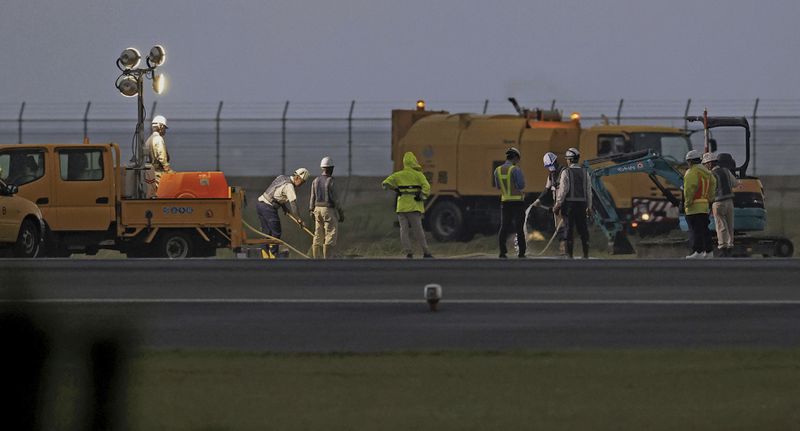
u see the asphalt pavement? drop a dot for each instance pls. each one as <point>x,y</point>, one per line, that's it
<point>378,305</point>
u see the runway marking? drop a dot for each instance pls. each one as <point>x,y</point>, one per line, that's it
<point>406,301</point>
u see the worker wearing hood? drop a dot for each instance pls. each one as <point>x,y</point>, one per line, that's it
<point>412,189</point>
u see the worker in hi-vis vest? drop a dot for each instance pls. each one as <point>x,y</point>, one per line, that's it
<point>509,178</point>
<point>412,189</point>
<point>280,194</point>
<point>699,188</point>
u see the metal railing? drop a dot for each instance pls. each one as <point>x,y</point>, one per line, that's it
<point>250,139</point>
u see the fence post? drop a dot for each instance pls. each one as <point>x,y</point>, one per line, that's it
<point>350,140</point>
<point>686,114</point>
<point>283,138</point>
<point>485,106</point>
<point>553,105</point>
<point>86,121</point>
<point>19,123</point>
<point>755,113</point>
<point>619,110</point>
<point>219,114</point>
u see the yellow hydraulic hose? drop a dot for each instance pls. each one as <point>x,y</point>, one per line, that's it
<point>551,239</point>
<point>280,241</point>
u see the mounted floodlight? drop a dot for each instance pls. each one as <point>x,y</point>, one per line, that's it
<point>130,58</point>
<point>128,86</point>
<point>157,56</point>
<point>159,83</point>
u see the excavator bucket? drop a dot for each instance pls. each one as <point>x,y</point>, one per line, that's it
<point>622,245</point>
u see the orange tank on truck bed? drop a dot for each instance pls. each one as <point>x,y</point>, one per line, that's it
<point>193,185</point>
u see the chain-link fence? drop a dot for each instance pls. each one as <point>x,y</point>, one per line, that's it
<point>261,139</point>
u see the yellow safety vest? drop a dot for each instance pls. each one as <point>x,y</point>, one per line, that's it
<point>507,188</point>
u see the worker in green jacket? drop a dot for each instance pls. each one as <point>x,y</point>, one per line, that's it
<point>699,188</point>
<point>412,189</point>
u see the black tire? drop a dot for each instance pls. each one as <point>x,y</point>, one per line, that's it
<point>28,241</point>
<point>175,244</point>
<point>447,221</point>
<point>784,248</point>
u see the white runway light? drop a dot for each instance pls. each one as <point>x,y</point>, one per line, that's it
<point>433,293</point>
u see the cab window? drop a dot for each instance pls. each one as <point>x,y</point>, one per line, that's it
<point>81,165</point>
<point>608,145</point>
<point>21,166</point>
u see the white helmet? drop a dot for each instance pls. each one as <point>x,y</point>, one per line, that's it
<point>327,162</point>
<point>694,155</point>
<point>302,173</point>
<point>549,159</point>
<point>512,152</point>
<point>710,157</point>
<point>573,154</point>
<point>160,120</point>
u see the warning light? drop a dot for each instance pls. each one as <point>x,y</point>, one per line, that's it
<point>420,105</point>
<point>634,225</point>
<point>575,116</point>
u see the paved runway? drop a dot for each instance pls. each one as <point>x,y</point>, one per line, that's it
<point>377,305</point>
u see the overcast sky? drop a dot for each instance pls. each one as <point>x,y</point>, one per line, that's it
<point>374,50</point>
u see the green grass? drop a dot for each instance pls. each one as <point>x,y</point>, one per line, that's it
<point>597,390</point>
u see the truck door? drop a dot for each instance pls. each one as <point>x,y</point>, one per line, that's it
<point>83,189</point>
<point>6,234</point>
<point>26,168</point>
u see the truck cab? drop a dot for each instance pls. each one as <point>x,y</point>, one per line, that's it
<point>21,223</point>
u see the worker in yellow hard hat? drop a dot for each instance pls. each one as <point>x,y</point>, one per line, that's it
<point>412,189</point>
<point>280,194</point>
<point>699,189</point>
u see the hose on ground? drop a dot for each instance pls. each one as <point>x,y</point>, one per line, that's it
<point>278,240</point>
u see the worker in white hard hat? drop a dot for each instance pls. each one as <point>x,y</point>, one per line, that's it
<point>509,178</point>
<point>280,194</point>
<point>326,211</point>
<point>548,196</point>
<point>574,202</point>
<point>699,188</point>
<point>156,150</point>
<point>722,207</point>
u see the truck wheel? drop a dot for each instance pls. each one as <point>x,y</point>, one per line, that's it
<point>176,245</point>
<point>784,248</point>
<point>27,244</point>
<point>447,221</point>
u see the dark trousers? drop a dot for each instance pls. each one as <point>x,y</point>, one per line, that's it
<point>512,214</point>
<point>699,236</point>
<point>270,223</point>
<point>574,214</point>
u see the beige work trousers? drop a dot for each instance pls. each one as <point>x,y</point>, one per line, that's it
<point>325,232</point>
<point>723,219</point>
<point>411,223</point>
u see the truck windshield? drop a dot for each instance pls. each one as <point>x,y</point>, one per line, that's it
<point>671,146</point>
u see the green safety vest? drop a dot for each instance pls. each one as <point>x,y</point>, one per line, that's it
<point>507,188</point>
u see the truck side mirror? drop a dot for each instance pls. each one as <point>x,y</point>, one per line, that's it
<point>11,189</point>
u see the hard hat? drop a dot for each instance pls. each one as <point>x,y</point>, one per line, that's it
<point>302,173</point>
<point>572,153</point>
<point>513,152</point>
<point>327,162</point>
<point>160,120</point>
<point>710,157</point>
<point>549,159</point>
<point>694,155</point>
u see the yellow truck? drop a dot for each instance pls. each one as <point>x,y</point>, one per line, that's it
<point>459,152</point>
<point>21,224</point>
<point>84,194</point>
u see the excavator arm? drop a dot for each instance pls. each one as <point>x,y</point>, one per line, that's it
<point>607,218</point>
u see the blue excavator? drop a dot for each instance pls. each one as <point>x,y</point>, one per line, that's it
<point>749,213</point>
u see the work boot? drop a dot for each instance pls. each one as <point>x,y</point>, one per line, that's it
<point>568,249</point>
<point>316,252</point>
<point>327,252</point>
<point>503,256</point>
<point>585,246</point>
<point>427,256</point>
<point>409,256</point>
<point>562,248</point>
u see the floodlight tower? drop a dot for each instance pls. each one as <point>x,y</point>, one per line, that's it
<point>130,83</point>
